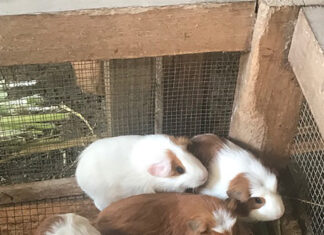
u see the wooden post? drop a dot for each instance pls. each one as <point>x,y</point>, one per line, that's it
<point>158,119</point>
<point>39,190</point>
<point>107,81</point>
<point>306,57</point>
<point>267,104</point>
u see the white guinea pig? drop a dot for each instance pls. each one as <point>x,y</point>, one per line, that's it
<point>114,168</point>
<point>64,224</point>
<point>236,173</point>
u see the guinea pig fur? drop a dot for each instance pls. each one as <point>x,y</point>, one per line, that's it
<point>66,224</point>
<point>236,173</point>
<point>167,214</point>
<point>114,168</point>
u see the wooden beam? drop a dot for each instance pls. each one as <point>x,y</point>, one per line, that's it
<point>279,3</point>
<point>39,191</point>
<point>306,57</point>
<point>266,107</point>
<point>83,141</point>
<point>158,96</point>
<point>125,33</point>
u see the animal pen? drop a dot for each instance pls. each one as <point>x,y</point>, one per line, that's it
<point>253,72</point>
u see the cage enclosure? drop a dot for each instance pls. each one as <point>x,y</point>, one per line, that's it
<point>71,75</point>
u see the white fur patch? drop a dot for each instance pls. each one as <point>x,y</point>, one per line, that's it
<point>224,221</point>
<point>73,224</point>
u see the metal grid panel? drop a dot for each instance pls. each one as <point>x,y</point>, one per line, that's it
<point>50,112</point>
<point>130,95</point>
<point>308,160</point>
<point>45,116</point>
<point>23,218</point>
<point>198,93</point>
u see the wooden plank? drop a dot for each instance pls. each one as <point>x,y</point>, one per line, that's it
<point>306,57</point>
<point>158,106</point>
<point>39,190</point>
<point>294,2</point>
<point>266,109</point>
<point>83,141</point>
<point>107,82</point>
<point>125,33</point>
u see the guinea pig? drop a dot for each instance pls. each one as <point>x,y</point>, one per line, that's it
<point>236,173</point>
<point>167,213</point>
<point>64,224</point>
<point>114,168</point>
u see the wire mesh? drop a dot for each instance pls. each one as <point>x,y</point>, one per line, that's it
<point>308,160</point>
<point>45,117</point>
<point>23,218</point>
<point>198,93</point>
<point>49,112</point>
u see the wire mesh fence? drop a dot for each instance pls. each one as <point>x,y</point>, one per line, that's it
<point>198,93</point>
<point>50,112</point>
<point>23,218</point>
<point>308,169</point>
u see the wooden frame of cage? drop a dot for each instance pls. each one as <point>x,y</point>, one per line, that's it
<point>265,113</point>
<point>141,32</point>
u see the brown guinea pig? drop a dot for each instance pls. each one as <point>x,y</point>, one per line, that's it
<point>166,213</point>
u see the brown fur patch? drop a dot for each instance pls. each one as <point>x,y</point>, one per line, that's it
<point>243,209</point>
<point>47,224</point>
<point>204,147</point>
<point>239,188</point>
<point>181,140</point>
<point>175,162</point>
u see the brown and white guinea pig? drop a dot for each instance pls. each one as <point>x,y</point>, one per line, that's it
<point>236,173</point>
<point>166,213</point>
<point>66,224</point>
<point>114,168</point>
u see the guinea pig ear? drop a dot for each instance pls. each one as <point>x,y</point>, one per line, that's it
<point>197,226</point>
<point>160,169</point>
<point>239,188</point>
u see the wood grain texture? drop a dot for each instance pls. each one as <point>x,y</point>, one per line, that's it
<point>39,190</point>
<point>125,33</point>
<point>293,2</point>
<point>267,104</point>
<point>306,57</point>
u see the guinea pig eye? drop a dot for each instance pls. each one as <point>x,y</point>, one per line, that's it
<point>179,169</point>
<point>258,200</point>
